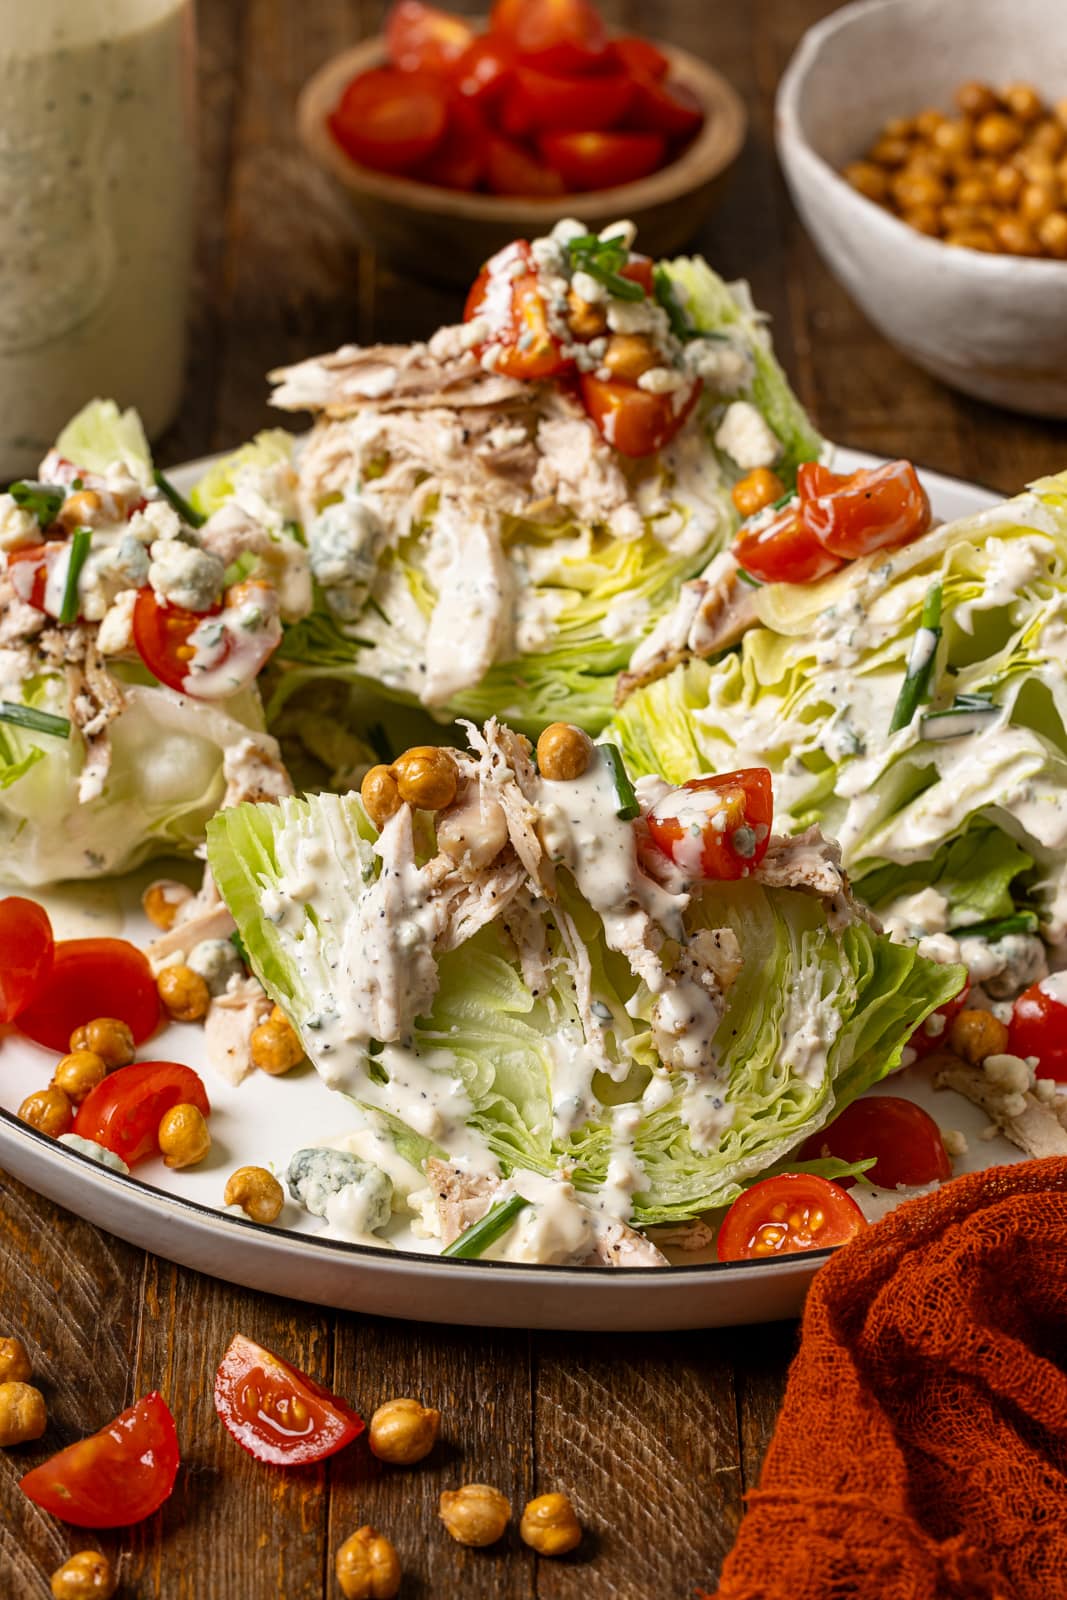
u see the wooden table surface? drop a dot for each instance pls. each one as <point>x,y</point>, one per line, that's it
<point>657,1437</point>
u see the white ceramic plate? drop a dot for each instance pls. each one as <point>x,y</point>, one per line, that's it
<point>179,1214</point>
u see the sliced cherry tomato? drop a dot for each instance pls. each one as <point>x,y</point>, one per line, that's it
<point>459,160</point>
<point>92,978</point>
<point>716,827</point>
<point>484,68</point>
<point>851,514</point>
<point>1038,1026</point>
<point>511,170</point>
<point>115,1477</point>
<point>391,120</point>
<point>783,550</point>
<point>642,270</point>
<point>787,1214</point>
<point>517,315</point>
<point>668,108</point>
<point>635,422</point>
<point>639,56</point>
<point>124,1111</point>
<point>603,160</point>
<point>905,1141</point>
<point>559,35</point>
<point>276,1412</point>
<point>933,1033</point>
<point>161,632</point>
<point>546,102</point>
<point>28,571</point>
<point>26,954</point>
<point>422,38</point>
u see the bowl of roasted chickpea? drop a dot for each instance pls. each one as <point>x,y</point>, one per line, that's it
<point>925,145</point>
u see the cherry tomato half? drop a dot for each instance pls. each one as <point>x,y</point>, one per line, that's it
<point>933,1033</point>
<point>424,38</point>
<point>783,550</point>
<point>26,954</point>
<point>559,35</point>
<point>391,120</point>
<point>787,1214</point>
<point>602,160</point>
<point>276,1412</point>
<point>517,315</point>
<point>545,102</point>
<point>635,422</point>
<point>639,55</point>
<point>460,159</point>
<point>905,1141</point>
<point>510,170</point>
<point>29,570</point>
<point>718,827</point>
<point>161,632</point>
<point>1038,1026</point>
<point>852,514</point>
<point>666,107</point>
<point>124,1111</point>
<point>117,1476</point>
<point>92,978</point>
<point>484,69</point>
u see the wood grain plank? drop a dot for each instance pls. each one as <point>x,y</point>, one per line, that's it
<point>762,1360</point>
<point>642,1433</point>
<point>480,1381</point>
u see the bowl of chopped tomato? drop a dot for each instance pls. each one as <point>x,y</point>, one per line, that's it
<point>453,137</point>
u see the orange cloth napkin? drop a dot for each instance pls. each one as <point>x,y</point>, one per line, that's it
<point>921,1452</point>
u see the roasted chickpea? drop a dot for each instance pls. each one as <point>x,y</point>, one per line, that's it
<point>476,1514</point>
<point>87,1576</point>
<point>1006,185</point>
<point>629,355</point>
<point>426,777</point>
<point>1037,202</point>
<point>928,160</point>
<point>563,752</point>
<point>275,1046</point>
<point>22,1414</point>
<point>975,99</point>
<point>759,489</point>
<point>899,128</point>
<point>184,993</point>
<point>953,138</point>
<point>47,1110</point>
<point>890,152</point>
<point>14,1362</point>
<point>1052,234</point>
<point>1047,137</point>
<point>971,237</point>
<point>78,1073</point>
<point>257,1192</point>
<point>108,1037</point>
<point>380,795</point>
<point>972,191</point>
<point>1036,166</point>
<point>976,1034</point>
<point>928,122</point>
<point>587,319</point>
<point>79,510</point>
<point>183,1136</point>
<point>925,219</point>
<point>868,179</point>
<point>911,189</point>
<point>1016,236</point>
<point>367,1566</point>
<point>956,217</point>
<point>550,1526</point>
<point>161,900</point>
<point>998,133</point>
<point>403,1431</point>
<point>1023,101</point>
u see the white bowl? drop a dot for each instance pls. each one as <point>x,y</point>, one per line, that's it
<point>994,326</point>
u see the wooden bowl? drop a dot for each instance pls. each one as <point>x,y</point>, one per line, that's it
<point>446,235</point>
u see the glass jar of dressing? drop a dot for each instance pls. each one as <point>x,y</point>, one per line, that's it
<point>96,194</point>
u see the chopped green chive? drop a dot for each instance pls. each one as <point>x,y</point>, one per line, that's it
<point>998,927</point>
<point>181,505</point>
<point>920,668</point>
<point>626,800</point>
<point>746,577</point>
<point>603,259</point>
<point>476,1239</point>
<point>79,550</point>
<point>667,297</point>
<point>44,500</point>
<point>36,721</point>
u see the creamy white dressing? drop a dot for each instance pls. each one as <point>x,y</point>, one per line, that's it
<point>471,623</point>
<point>557,1228</point>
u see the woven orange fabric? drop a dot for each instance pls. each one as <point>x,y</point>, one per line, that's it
<point>921,1452</point>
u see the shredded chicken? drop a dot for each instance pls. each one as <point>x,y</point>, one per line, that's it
<point>200,916</point>
<point>462,1198</point>
<point>711,613</point>
<point>254,770</point>
<point>1037,1126</point>
<point>231,1020</point>
<point>618,1245</point>
<point>418,376</point>
<point>810,862</point>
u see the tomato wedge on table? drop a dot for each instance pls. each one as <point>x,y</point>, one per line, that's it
<point>123,1112</point>
<point>420,37</point>
<point>560,35</point>
<point>391,120</point>
<point>26,953</point>
<point>716,828</point>
<point>117,1476</point>
<point>92,978</point>
<point>782,550</point>
<point>904,1139</point>
<point>276,1412</point>
<point>1038,1026</point>
<point>786,1215</point>
<point>517,315</point>
<point>852,514</point>
<point>602,160</point>
<point>634,421</point>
